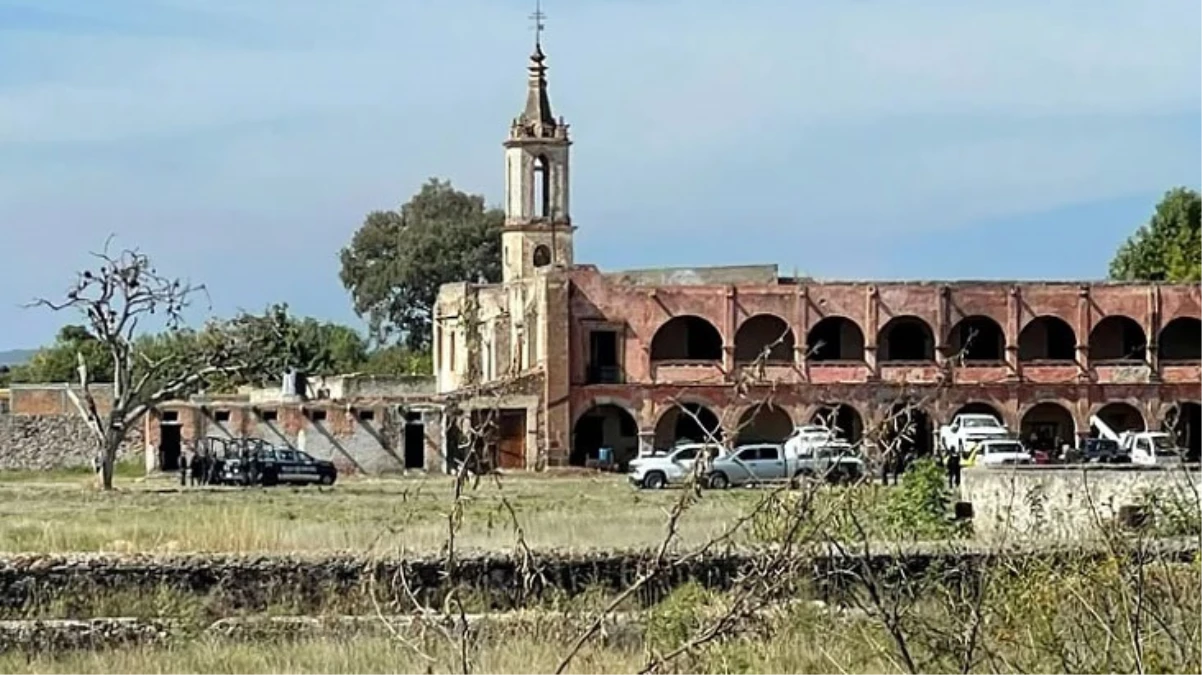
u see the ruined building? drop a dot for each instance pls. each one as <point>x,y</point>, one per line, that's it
<point>567,358</point>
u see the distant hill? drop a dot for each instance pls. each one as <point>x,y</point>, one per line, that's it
<point>15,357</point>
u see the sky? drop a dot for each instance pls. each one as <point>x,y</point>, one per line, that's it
<point>241,142</point>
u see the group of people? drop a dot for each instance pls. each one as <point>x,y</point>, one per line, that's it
<point>200,468</point>
<point>895,464</point>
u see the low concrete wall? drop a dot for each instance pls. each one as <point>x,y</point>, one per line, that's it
<point>1074,503</point>
<point>41,442</point>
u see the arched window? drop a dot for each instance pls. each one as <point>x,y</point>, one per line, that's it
<point>542,256</point>
<point>542,187</point>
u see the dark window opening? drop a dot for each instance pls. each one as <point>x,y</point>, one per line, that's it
<point>605,426</point>
<point>764,424</point>
<point>688,423</point>
<point>542,256</point>
<point>415,444</point>
<point>1047,338</point>
<point>687,338</point>
<point>221,416</point>
<point>835,338</point>
<point>317,415</point>
<point>367,415</point>
<point>170,416</point>
<point>170,445</point>
<point>842,419</point>
<point>1118,338</point>
<point>764,337</point>
<point>603,367</point>
<point>906,338</point>
<point>978,339</point>
<point>413,417</point>
<point>1181,340</point>
<point>270,415</point>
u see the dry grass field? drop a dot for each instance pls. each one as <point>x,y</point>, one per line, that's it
<point>62,512</point>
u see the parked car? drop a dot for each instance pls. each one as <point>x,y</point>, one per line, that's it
<point>998,452</point>
<point>817,452</point>
<point>1103,451</point>
<point>660,470</point>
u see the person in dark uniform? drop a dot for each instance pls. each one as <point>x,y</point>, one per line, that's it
<point>198,468</point>
<point>885,468</point>
<point>953,470</point>
<point>183,469</point>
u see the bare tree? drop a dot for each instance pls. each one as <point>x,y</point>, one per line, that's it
<point>116,297</point>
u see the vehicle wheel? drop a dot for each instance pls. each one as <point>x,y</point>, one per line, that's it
<point>327,480</point>
<point>655,481</point>
<point>719,481</point>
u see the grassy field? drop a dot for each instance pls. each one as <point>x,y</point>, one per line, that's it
<point>63,512</point>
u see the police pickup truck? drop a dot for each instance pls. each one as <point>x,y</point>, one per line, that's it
<point>273,466</point>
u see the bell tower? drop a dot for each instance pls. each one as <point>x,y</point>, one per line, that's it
<point>538,223</point>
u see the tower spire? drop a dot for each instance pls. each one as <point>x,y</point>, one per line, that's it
<point>537,120</point>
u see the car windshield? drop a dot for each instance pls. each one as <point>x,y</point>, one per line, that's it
<point>1164,447</point>
<point>686,454</point>
<point>980,422</point>
<point>303,456</point>
<point>997,448</point>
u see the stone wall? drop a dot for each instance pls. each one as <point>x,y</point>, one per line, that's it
<point>1036,502</point>
<point>40,442</point>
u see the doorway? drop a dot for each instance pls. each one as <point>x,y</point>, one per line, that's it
<point>170,437</point>
<point>511,439</point>
<point>415,441</point>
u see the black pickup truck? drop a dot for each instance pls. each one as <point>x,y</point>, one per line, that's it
<point>274,466</point>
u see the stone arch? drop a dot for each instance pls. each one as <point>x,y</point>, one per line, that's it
<point>1120,416</point>
<point>979,408</point>
<point>835,338</point>
<point>906,338</point>
<point>1180,340</point>
<point>908,430</point>
<point>842,418</point>
<point>764,332</point>
<point>1118,338</point>
<point>1047,426</point>
<point>1047,338</point>
<point>977,339</point>
<point>764,424</point>
<point>686,338</point>
<point>541,256</point>
<point>687,422</point>
<point>604,425</point>
<point>1184,420</point>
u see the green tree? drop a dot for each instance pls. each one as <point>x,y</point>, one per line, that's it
<point>398,259</point>
<point>399,360</point>
<point>1169,247</point>
<point>58,362</point>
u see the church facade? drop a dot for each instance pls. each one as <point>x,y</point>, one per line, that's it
<point>564,358</point>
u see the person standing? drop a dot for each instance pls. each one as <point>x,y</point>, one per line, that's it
<point>183,469</point>
<point>953,470</point>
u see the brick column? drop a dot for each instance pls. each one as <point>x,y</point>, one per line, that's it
<point>1152,328</point>
<point>1013,322</point>
<point>1082,329</point>
<point>872,303</point>
<point>728,333</point>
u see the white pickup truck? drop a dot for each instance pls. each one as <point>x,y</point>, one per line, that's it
<point>1150,448</point>
<point>968,429</point>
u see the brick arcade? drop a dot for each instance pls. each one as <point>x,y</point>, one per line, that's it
<point>614,356</point>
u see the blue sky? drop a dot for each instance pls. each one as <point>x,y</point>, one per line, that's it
<point>241,142</point>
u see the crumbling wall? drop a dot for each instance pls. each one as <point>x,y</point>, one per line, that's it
<point>41,442</point>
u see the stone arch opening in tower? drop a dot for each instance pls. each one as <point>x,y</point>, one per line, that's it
<point>764,424</point>
<point>841,418</point>
<point>1047,338</point>
<point>604,426</point>
<point>1120,417</point>
<point>1181,340</point>
<point>977,339</point>
<point>687,338</point>
<point>542,255</point>
<point>1184,421</point>
<point>835,338</point>
<point>908,430</point>
<point>764,333</point>
<point>1048,426</point>
<point>542,187</point>
<point>906,338</point>
<point>687,423</point>
<point>1118,338</point>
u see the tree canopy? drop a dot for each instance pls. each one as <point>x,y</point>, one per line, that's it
<point>397,260</point>
<point>1168,247</point>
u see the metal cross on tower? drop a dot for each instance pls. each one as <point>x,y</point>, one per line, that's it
<point>538,17</point>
